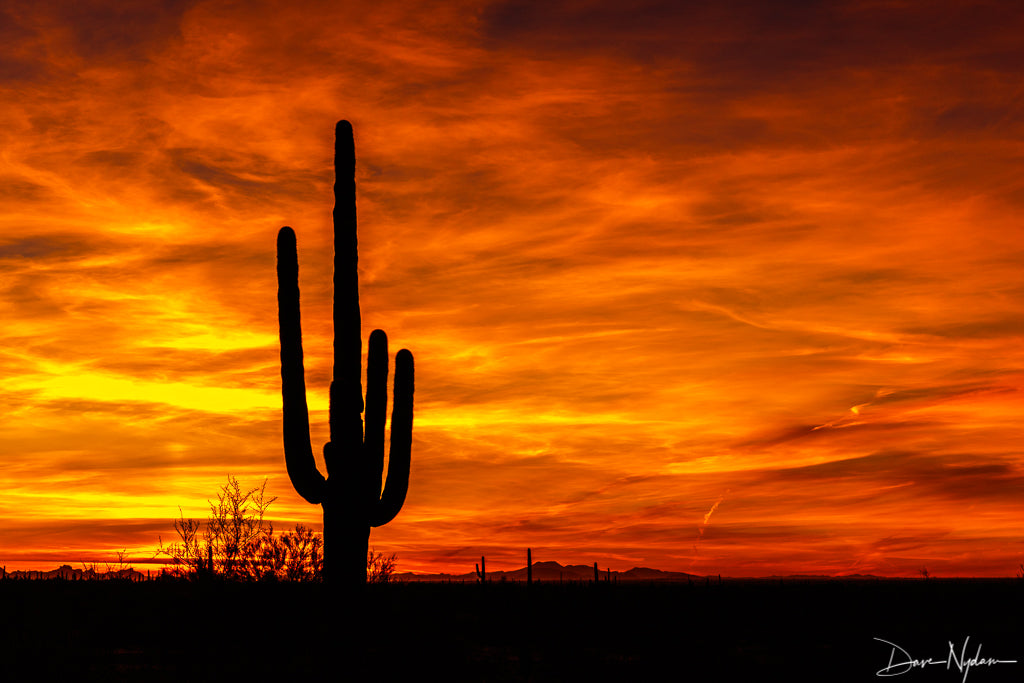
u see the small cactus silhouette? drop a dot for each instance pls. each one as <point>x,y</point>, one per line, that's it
<point>351,493</point>
<point>481,570</point>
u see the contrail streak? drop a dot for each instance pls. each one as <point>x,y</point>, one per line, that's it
<point>712,511</point>
<point>704,524</point>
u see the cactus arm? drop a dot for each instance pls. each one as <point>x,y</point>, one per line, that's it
<point>298,450</point>
<point>397,484</point>
<point>376,417</point>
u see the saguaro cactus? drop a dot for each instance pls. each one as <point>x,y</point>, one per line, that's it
<point>351,492</point>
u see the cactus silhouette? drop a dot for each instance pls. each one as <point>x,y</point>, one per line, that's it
<point>351,492</point>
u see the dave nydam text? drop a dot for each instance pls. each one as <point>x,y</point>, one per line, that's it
<point>963,661</point>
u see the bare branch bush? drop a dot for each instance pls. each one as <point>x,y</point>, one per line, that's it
<point>234,533</point>
<point>237,542</point>
<point>380,568</point>
<point>236,529</point>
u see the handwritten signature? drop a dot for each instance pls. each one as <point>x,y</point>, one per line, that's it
<point>902,662</point>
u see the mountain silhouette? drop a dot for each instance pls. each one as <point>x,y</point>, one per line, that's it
<point>69,573</point>
<point>553,571</point>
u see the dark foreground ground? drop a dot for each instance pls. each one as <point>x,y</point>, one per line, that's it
<point>737,631</point>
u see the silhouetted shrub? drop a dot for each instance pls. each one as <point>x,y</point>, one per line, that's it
<point>380,568</point>
<point>238,543</point>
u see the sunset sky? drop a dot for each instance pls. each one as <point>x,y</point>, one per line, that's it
<point>725,287</point>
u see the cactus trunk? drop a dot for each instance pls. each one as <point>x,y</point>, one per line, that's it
<point>351,492</point>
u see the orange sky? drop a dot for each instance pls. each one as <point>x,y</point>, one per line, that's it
<point>760,254</point>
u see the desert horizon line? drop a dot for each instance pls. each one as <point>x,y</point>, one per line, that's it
<point>584,569</point>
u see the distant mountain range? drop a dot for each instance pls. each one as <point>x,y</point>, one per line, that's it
<point>542,571</point>
<point>553,571</point>
<point>68,573</point>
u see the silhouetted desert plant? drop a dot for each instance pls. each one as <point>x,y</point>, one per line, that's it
<point>291,556</point>
<point>380,568</point>
<point>351,493</point>
<point>238,543</point>
<point>481,570</point>
<point>234,531</point>
<point>122,564</point>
